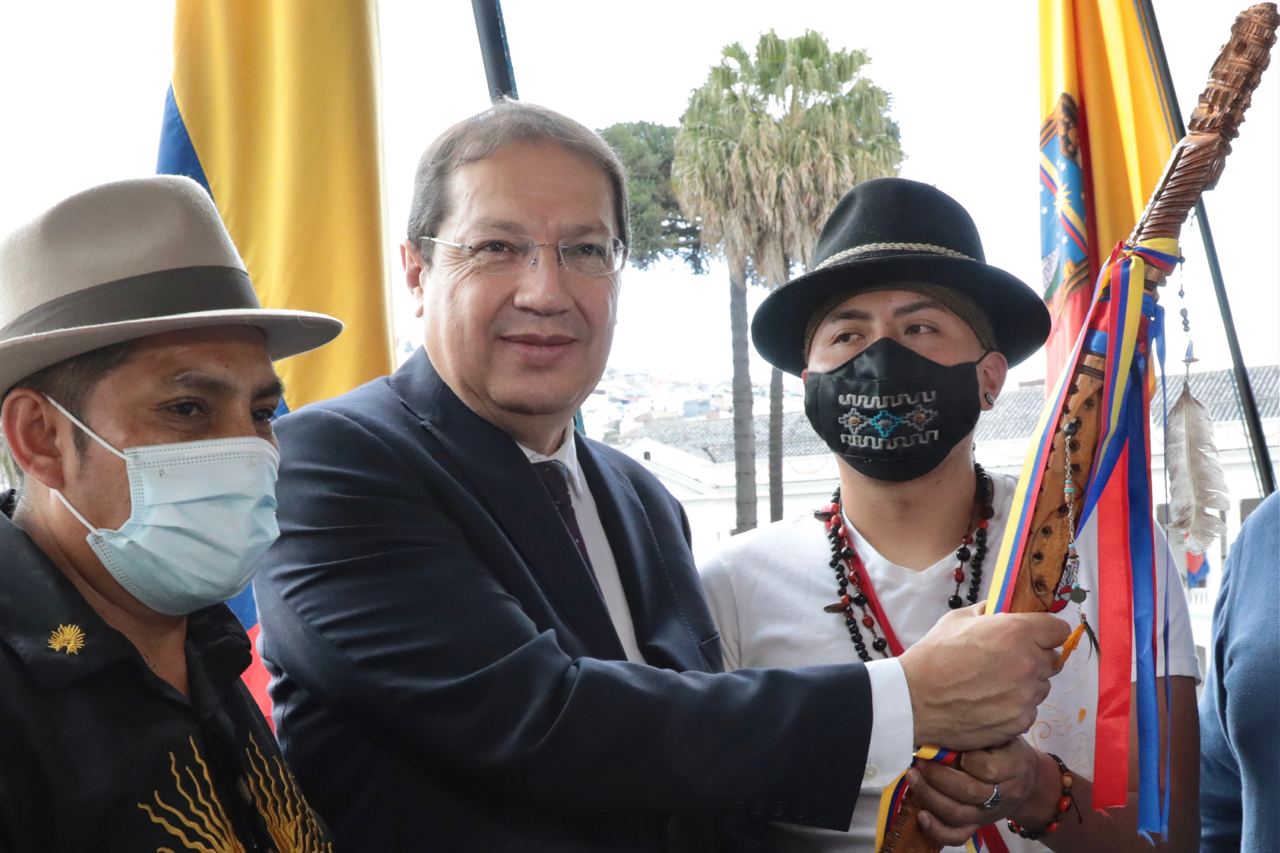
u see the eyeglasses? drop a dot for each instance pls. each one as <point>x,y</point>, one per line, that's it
<point>596,256</point>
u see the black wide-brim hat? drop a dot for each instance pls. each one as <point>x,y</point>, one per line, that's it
<point>892,230</point>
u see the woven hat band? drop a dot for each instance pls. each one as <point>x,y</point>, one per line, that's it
<point>872,248</point>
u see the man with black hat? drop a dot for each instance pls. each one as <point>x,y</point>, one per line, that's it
<point>138,392</point>
<point>903,334</point>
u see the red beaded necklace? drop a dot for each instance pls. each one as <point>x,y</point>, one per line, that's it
<point>855,586</point>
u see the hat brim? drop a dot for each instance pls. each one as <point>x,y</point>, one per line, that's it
<point>288,333</point>
<point>1019,318</point>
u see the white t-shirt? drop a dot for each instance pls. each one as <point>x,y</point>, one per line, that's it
<point>767,589</point>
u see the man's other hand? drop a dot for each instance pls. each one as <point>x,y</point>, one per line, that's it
<point>975,680</point>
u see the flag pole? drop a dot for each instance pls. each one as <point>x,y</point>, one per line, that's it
<point>493,49</point>
<point>1244,391</point>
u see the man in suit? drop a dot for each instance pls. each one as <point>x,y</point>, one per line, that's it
<point>488,633</point>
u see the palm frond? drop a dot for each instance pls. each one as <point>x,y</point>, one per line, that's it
<point>772,140</point>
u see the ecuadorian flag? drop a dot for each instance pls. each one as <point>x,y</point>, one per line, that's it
<point>274,109</point>
<point>1106,135</point>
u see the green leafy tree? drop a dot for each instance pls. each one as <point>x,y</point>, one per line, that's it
<point>659,228</point>
<point>766,148</point>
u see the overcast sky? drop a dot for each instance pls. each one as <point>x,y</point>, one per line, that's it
<point>82,86</point>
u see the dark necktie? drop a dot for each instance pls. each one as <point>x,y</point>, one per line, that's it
<point>555,477</point>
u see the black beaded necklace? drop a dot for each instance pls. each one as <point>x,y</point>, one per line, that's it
<point>844,559</point>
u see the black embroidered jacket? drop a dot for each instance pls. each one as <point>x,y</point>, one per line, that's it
<point>98,753</point>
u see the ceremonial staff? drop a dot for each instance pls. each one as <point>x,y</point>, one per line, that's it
<point>1093,457</point>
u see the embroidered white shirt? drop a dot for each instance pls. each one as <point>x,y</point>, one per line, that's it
<point>767,590</point>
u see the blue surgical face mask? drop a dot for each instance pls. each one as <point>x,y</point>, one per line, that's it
<point>202,513</point>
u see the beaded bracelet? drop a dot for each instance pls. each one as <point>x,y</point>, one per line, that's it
<point>1064,804</point>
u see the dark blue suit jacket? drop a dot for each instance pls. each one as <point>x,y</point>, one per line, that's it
<point>447,677</point>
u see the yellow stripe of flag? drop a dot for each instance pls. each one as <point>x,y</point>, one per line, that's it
<point>1099,53</point>
<point>279,99</point>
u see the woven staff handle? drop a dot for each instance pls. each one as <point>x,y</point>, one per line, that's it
<point>1195,165</point>
<point>1196,162</point>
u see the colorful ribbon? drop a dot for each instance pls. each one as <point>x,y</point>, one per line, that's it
<point>987,837</point>
<point>1123,325</point>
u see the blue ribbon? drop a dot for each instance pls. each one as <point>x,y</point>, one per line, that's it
<point>1153,813</point>
<point>1158,335</point>
<point>1150,816</point>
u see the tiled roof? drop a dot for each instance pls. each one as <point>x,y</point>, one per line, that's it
<point>1014,417</point>
<point>713,439</point>
<point>1217,390</point>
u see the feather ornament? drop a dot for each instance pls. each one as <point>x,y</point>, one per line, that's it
<point>1197,486</point>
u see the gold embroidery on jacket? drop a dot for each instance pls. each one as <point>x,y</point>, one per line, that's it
<point>290,821</point>
<point>66,638</point>
<point>204,824</point>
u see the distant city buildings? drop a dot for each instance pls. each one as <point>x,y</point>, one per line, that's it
<point>627,404</point>
<point>693,456</point>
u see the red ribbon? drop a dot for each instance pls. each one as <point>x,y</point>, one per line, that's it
<point>873,603</point>
<point>992,840</point>
<point>1115,605</point>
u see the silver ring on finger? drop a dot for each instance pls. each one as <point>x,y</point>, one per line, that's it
<point>993,800</point>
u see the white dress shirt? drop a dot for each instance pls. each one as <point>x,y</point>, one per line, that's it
<point>598,549</point>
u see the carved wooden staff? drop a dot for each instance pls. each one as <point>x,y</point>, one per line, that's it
<point>1194,166</point>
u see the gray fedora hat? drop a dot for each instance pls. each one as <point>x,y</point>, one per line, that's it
<point>894,230</point>
<point>126,260</point>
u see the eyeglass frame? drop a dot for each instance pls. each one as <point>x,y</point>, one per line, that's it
<point>531,244</point>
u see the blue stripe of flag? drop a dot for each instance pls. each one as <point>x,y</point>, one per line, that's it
<point>177,156</point>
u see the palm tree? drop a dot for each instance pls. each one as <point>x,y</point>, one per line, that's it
<point>766,148</point>
<point>714,188</point>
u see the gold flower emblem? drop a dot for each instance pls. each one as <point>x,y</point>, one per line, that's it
<point>67,638</point>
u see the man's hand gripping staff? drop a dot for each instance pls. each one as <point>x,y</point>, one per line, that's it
<point>976,682</point>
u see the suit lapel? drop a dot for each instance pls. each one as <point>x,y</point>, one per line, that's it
<point>661,625</point>
<point>502,478</point>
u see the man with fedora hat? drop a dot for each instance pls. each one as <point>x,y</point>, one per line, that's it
<point>903,334</point>
<point>138,393</point>
<point>496,624</point>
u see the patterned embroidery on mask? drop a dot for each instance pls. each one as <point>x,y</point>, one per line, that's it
<point>884,422</point>
<point>898,441</point>
<point>859,421</point>
<point>919,417</point>
<point>888,401</point>
<point>197,819</point>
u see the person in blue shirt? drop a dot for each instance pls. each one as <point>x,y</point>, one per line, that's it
<point>1240,706</point>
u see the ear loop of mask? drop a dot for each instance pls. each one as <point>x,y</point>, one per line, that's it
<point>86,430</point>
<point>58,494</point>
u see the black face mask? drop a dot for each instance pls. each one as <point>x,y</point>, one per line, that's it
<point>891,413</point>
